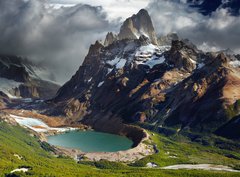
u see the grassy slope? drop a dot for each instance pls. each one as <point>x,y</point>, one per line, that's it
<point>179,150</point>
<point>16,140</point>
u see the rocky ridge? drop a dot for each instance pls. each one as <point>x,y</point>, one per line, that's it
<point>134,79</point>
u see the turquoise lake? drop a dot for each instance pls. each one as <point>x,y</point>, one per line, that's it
<point>91,141</point>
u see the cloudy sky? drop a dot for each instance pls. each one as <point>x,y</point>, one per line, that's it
<point>59,32</point>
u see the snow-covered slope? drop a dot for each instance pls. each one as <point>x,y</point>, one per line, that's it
<point>149,55</point>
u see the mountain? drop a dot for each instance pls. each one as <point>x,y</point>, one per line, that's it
<point>206,7</point>
<point>172,85</point>
<point>137,25</point>
<point>21,78</point>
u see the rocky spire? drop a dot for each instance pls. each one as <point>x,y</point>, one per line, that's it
<point>137,25</point>
<point>110,38</point>
<point>182,56</point>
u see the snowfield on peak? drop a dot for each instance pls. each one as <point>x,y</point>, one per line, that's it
<point>151,63</point>
<point>147,49</point>
<point>118,63</point>
<point>149,55</point>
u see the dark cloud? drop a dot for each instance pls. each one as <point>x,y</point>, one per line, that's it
<point>59,37</point>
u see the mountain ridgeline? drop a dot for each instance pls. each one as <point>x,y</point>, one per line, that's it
<point>166,82</point>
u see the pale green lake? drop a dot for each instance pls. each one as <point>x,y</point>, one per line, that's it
<point>91,141</point>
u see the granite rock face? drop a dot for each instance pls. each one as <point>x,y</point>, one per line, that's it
<point>110,38</point>
<point>137,25</point>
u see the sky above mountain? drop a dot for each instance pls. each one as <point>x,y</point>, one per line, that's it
<point>59,32</point>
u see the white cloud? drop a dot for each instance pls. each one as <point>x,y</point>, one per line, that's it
<point>220,19</point>
<point>218,31</point>
<point>169,16</point>
<point>114,8</point>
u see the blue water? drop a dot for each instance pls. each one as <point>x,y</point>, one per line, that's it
<point>91,141</point>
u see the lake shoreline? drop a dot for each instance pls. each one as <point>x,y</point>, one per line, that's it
<point>138,151</point>
<point>130,155</point>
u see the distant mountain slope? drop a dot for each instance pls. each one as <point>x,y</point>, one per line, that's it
<point>20,78</point>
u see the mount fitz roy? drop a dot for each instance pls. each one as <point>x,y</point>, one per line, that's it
<point>166,82</point>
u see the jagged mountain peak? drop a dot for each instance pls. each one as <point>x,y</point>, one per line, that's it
<point>182,56</point>
<point>110,38</point>
<point>96,46</point>
<point>137,25</point>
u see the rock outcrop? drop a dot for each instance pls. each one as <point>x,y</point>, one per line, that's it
<point>182,56</point>
<point>137,25</point>
<point>110,38</point>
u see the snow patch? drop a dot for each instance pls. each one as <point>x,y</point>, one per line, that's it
<point>146,50</point>
<point>200,65</point>
<point>109,70</point>
<point>117,62</point>
<point>37,125</point>
<point>100,84</point>
<point>121,63</point>
<point>151,165</point>
<point>150,55</point>
<point>156,61</point>
<point>19,170</point>
<point>113,62</point>
<point>89,80</point>
<point>235,63</point>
